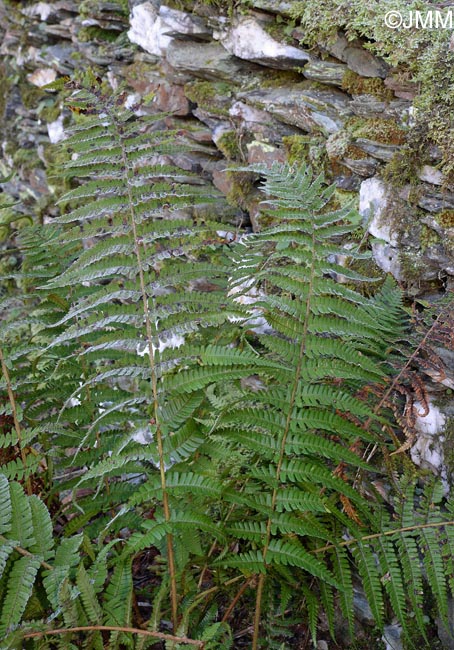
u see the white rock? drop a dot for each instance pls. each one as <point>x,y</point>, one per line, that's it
<point>427,450</point>
<point>42,76</point>
<point>431,424</point>
<point>41,9</point>
<point>148,29</point>
<point>387,258</point>
<point>431,175</point>
<point>153,29</point>
<point>374,199</point>
<point>174,341</point>
<point>56,131</point>
<point>143,436</point>
<point>247,40</point>
<point>249,296</point>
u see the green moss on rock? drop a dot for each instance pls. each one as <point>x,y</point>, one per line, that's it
<point>377,129</point>
<point>423,56</point>
<point>428,237</point>
<point>228,144</point>
<point>354,84</point>
<point>213,97</point>
<point>242,189</point>
<point>309,149</point>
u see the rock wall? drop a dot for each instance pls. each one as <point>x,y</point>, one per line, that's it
<point>244,84</point>
<point>252,81</point>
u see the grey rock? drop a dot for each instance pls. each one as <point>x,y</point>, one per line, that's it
<point>206,60</point>
<point>447,636</point>
<point>392,637</point>
<point>430,199</point>
<point>376,149</point>
<point>365,63</point>
<point>304,105</point>
<point>211,120</point>
<point>263,152</point>
<point>371,106</point>
<point>365,167</point>
<point>350,183</point>
<point>402,89</point>
<point>252,120</point>
<point>59,56</point>
<point>362,607</point>
<point>248,40</point>
<point>355,56</point>
<point>431,175</point>
<point>325,72</point>
<point>282,7</point>
<point>336,47</point>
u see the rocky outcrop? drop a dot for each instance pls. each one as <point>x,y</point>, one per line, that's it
<point>246,81</point>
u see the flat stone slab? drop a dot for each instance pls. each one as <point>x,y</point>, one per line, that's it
<point>206,60</point>
<point>304,105</point>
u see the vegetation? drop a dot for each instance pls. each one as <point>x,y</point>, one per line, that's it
<point>402,49</point>
<point>193,430</point>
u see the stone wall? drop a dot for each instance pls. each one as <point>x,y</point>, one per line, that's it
<point>251,82</point>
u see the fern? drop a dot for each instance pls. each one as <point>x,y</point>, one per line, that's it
<point>27,547</point>
<point>205,410</point>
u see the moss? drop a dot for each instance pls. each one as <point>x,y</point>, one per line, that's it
<point>196,7</point>
<point>355,153</point>
<point>49,110</point>
<point>242,189</point>
<point>423,57</point>
<point>88,8</point>
<point>205,91</point>
<point>95,33</point>
<point>354,84</point>
<point>4,85</point>
<point>213,97</point>
<point>26,158</point>
<point>377,129</point>
<point>308,149</point>
<point>412,267</point>
<point>277,78</point>
<point>337,144</point>
<point>229,145</point>
<point>445,218</point>
<point>448,444</point>
<point>428,237</point>
<point>297,147</point>
<point>403,167</point>
<point>31,95</point>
